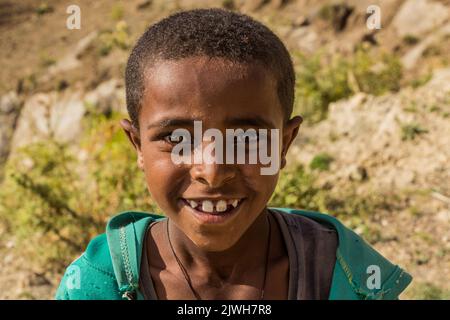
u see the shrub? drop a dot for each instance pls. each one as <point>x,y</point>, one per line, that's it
<point>56,197</point>
<point>117,38</point>
<point>296,189</point>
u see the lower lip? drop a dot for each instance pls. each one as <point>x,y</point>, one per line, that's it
<point>210,218</point>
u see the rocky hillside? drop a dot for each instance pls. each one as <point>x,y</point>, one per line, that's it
<point>389,147</point>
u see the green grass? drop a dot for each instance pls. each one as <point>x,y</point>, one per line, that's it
<point>321,162</point>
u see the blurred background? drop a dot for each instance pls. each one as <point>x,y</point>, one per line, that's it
<point>374,150</point>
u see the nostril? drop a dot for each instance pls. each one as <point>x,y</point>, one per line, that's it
<point>202,180</point>
<point>213,176</point>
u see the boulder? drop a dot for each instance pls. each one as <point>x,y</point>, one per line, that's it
<point>419,17</point>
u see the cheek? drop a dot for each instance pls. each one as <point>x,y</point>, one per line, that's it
<point>263,184</point>
<point>164,178</point>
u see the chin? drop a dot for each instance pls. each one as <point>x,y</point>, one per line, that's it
<point>213,244</point>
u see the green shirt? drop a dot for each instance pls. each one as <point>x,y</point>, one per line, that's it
<point>110,266</point>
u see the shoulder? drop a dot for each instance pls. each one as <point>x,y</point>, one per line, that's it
<point>360,272</point>
<point>96,274</point>
<point>91,276</point>
<point>319,233</point>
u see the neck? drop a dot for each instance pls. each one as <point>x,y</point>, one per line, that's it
<point>243,255</point>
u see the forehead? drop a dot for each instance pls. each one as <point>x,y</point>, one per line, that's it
<point>208,89</point>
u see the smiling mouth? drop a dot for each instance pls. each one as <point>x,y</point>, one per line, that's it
<point>213,206</point>
<point>213,211</point>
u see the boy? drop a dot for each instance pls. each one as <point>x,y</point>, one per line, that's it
<point>219,240</point>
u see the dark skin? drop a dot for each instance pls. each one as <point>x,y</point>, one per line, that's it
<point>224,260</point>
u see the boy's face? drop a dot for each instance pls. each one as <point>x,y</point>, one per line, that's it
<point>221,96</point>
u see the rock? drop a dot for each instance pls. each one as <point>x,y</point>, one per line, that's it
<point>411,58</point>
<point>10,107</point>
<point>58,114</point>
<point>72,59</point>
<point>418,17</point>
<point>440,81</point>
<point>108,96</point>
<point>368,139</point>
<point>143,4</point>
<point>301,21</point>
<point>54,114</point>
<point>358,173</point>
<point>38,279</point>
<point>304,39</point>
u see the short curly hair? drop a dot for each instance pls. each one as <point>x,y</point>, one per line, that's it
<point>215,33</point>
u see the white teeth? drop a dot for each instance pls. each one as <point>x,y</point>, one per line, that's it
<point>193,203</point>
<point>207,206</point>
<point>211,206</point>
<point>221,206</point>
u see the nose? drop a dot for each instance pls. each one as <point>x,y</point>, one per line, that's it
<point>213,175</point>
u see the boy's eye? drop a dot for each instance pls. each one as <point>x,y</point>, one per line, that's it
<point>251,137</point>
<point>170,138</point>
<point>174,138</point>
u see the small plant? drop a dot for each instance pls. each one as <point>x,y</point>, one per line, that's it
<point>411,130</point>
<point>43,8</point>
<point>321,162</point>
<point>117,12</point>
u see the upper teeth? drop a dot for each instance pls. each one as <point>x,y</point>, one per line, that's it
<point>208,205</point>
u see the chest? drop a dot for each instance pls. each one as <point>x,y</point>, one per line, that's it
<point>173,285</point>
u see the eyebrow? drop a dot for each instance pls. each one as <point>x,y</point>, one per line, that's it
<point>255,121</point>
<point>236,122</point>
<point>171,122</point>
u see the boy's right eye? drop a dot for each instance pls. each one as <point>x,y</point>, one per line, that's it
<point>173,139</point>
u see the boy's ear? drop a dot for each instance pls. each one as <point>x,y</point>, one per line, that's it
<point>133,135</point>
<point>290,131</point>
